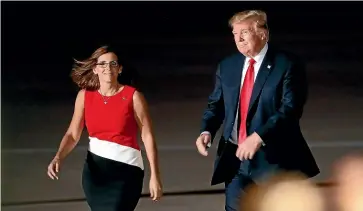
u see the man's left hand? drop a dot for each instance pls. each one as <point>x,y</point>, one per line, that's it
<point>248,148</point>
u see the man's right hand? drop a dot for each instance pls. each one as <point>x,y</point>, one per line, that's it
<point>202,141</point>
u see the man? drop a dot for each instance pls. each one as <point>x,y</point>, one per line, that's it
<point>259,95</point>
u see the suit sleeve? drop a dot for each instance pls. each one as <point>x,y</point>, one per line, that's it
<point>214,113</point>
<point>294,96</point>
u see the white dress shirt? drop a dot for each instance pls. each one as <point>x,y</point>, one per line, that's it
<point>258,58</point>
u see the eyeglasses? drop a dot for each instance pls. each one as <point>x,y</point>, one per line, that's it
<point>111,64</point>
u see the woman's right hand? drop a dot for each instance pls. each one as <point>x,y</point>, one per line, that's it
<point>53,168</point>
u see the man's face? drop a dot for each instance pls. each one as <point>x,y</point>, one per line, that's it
<point>248,42</point>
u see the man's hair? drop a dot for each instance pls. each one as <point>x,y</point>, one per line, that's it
<point>259,17</point>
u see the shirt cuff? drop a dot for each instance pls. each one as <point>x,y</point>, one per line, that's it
<point>208,133</point>
<point>205,132</point>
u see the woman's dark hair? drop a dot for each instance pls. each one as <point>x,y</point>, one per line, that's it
<point>83,76</point>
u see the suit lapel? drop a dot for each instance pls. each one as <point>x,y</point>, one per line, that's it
<point>236,76</point>
<point>261,78</point>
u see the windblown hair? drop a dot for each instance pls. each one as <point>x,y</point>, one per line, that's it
<point>82,71</point>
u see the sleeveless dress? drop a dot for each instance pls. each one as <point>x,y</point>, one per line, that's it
<point>113,172</point>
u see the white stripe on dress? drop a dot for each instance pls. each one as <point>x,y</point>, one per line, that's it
<point>116,152</point>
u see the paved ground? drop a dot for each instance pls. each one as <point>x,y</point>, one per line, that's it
<point>177,203</point>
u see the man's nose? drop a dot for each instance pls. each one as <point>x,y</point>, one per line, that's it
<point>240,38</point>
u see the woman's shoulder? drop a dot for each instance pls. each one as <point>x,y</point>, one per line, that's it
<point>126,86</point>
<point>81,93</point>
<point>129,90</point>
<point>86,94</point>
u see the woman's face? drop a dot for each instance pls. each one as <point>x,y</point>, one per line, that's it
<point>107,68</point>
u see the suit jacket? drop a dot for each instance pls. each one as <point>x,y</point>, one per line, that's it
<point>276,106</point>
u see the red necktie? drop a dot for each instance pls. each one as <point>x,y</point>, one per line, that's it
<point>246,93</point>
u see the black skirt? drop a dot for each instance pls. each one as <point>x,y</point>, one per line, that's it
<point>110,185</point>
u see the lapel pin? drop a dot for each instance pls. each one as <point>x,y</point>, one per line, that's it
<point>268,66</point>
<point>123,98</point>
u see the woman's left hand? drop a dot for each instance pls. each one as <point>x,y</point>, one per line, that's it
<point>155,188</point>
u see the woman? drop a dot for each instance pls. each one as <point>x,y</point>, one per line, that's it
<point>112,112</point>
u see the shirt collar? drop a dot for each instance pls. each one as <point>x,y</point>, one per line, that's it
<point>259,57</point>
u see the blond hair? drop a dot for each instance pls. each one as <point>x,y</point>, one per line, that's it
<point>259,18</point>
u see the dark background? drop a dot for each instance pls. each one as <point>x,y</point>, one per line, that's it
<point>40,39</point>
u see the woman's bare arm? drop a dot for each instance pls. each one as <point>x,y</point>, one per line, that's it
<point>147,133</point>
<point>74,132</point>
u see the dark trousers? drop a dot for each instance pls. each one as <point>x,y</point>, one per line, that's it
<point>236,187</point>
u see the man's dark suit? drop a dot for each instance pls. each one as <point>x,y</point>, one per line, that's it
<point>276,105</point>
